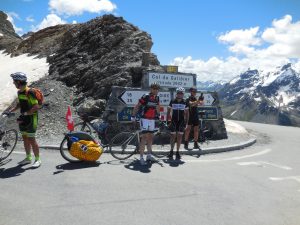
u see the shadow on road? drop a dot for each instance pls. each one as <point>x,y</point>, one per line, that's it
<point>5,161</point>
<point>75,166</point>
<point>136,166</point>
<point>173,162</point>
<point>12,171</point>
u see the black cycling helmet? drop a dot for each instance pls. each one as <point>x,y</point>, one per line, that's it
<point>155,85</point>
<point>19,76</point>
<point>193,88</point>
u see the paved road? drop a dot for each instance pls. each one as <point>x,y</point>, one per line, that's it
<point>258,185</point>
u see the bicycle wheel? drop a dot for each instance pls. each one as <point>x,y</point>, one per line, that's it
<point>65,153</point>
<point>8,143</point>
<point>123,145</point>
<point>161,144</point>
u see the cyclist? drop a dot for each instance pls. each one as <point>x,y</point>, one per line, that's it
<point>150,112</point>
<point>28,119</point>
<point>193,118</point>
<point>178,107</point>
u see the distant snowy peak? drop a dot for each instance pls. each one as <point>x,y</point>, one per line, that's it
<point>210,85</point>
<point>281,85</point>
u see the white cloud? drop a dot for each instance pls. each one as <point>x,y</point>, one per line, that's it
<point>266,50</point>
<point>284,37</point>
<point>50,20</point>
<point>10,18</point>
<point>78,7</point>
<point>30,19</point>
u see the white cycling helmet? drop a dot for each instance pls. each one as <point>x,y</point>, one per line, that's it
<point>180,90</point>
<point>19,76</point>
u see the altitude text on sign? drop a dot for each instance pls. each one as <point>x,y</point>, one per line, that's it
<point>171,80</point>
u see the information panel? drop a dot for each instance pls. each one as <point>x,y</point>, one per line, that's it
<point>211,113</point>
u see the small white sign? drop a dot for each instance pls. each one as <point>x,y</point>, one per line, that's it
<point>171,80</point>
<point>208,99</point>
<point>131,98</point>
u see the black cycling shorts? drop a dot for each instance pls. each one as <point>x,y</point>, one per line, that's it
<point>177,126</point>
<point>193,121</point>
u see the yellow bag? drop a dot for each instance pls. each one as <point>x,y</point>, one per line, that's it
<point>86,150</point>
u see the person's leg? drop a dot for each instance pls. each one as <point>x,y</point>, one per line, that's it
<point>35,147</point>
<point>196,134</point>
<point>187,135</point>
<point>172,143</point>
<point>142,144</point>
<point>179,139</point>
<point>27,145</point>
<point>27,148</point>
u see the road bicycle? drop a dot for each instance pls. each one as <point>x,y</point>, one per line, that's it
<point>8,137</point>
<point>126,144</point>
<point>121,146</point>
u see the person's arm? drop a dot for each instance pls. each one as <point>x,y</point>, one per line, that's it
<point>34,102</point>
<point>136,109</point>
<point>31,111</point>
<point>14,108</point>
<point>186,111</point>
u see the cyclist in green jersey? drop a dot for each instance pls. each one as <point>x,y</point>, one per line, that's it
<point>28,119</point>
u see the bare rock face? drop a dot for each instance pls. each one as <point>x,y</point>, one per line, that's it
<point>44,42</point>
<point>103,52</point>
<point>8,38</point>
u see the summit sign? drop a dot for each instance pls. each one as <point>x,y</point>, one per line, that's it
<point>171,80</point>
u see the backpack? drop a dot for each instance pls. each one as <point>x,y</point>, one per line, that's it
<point>38,94</point>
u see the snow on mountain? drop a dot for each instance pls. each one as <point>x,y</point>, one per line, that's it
<point>210,85</point>
<point>264,95</point>
<point>35,68</point>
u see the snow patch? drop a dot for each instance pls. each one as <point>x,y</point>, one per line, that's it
<point>233,127</point>
<point>233,113</point>
<point>34,68</point>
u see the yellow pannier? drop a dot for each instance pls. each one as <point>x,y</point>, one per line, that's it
<point>86,150</point>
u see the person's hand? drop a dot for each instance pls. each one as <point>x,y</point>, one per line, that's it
<point>20,119</point>
<point>6,113</point>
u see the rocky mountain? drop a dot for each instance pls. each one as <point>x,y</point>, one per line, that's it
<point>8,38</point>
<point>93,56</point>
<point>266,97</point>
<point>85,61</point>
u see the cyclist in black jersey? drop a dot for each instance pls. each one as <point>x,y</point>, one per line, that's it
<point>178,107</point>
<point>28,120</point>
<point>193,119</point>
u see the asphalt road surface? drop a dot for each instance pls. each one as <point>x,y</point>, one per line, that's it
<point>258,185</point>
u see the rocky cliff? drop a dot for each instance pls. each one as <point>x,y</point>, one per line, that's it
<point>8,38</point>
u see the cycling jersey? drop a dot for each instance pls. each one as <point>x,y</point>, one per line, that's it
<point>178,106</point>
<point>149,103</point>
<point>28,123</point>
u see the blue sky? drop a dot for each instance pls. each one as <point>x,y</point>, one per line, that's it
<point>208,38</point>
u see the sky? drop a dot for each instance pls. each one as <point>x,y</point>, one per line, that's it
<point>214,39</point>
